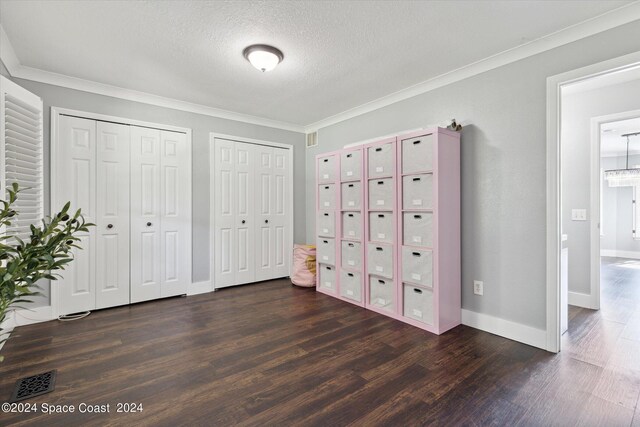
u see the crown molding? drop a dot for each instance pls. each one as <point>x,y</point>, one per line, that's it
<point>56,79</point>
<point>614,18</point>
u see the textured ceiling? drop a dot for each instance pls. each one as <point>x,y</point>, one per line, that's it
<point>338,55</point>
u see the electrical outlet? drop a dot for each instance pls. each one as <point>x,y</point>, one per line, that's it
<point>478,287</point>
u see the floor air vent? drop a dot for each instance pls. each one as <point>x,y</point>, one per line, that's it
<point>34,386</point>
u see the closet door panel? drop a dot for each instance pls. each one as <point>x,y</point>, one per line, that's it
<point>76,181</point>
<point>145,214</point>
<point>112,222</point>
<point>245,164</point>
<point>224,206</point>
<point>281,221</point>
<point>271,218</point>
<point>265,211</point>
<point>175,224</point>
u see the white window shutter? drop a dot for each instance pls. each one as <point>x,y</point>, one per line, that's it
<point>21,154</point>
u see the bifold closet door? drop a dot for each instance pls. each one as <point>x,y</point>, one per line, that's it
<point>234,219</point>
<point>112,220</point>
<point>75,181</point>
<point>160,214</point>
<point>271,221</point>
<point>175,211</point>
<point>145,214</point>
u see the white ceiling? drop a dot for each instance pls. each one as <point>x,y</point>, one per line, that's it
<point>338,55</point>
<point>613,144</point>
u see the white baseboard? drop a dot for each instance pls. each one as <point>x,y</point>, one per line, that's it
<point>506,328</point>
<point>620,254</point>
<point>199,288</point>
<point>581,300</point>
<point>35,315</point>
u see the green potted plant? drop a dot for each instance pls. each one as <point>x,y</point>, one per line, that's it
<point>24,263</point>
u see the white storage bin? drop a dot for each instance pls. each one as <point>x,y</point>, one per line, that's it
<point>351,165</point>
<point>417,266</point>
<point>381,194</point>
<point>327,196</point>
<point>327,169</point>
<point>418,304</point>
<point>417,192</point>
<point>351,285</point>
<point>417,154</point>
<point>351,195</point>
<point>381,160</point>
<point>352,255</point>
<point>326,251</point>
<point>327,277</point>
<point>380,260</point>
<point>326,224</point>
<point>352,225</point>
<point>381,227</point>
<point>418,229</point>
<point>381,293</point>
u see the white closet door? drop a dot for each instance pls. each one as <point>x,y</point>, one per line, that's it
<point>281,220</point>
<point>245,227</point>
<point>145,214</point>
<point>76,182</point>
<point>112,221</point>
<point>235,222</point>
<point>224,207</point>
<point>264,186</point>
<point>273,225</point>
<point>175,224</point>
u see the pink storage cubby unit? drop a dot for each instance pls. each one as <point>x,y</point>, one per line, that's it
<point>389,227</point>
<point>340,261</point>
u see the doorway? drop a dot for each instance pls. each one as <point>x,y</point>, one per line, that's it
<point>571,215</point>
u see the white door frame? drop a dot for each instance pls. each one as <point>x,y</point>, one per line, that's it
<point>554,85</point>
<point>212,138</point>
<point>56,112</point>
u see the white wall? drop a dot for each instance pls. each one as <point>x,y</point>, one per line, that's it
<point>577,111</point>
<point>618,213</point>
<point>503,168</point>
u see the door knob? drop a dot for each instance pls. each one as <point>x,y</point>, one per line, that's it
<point>110,226</point>
<point>243,221</point>
<point>266,221</point>
<point>148,224</point>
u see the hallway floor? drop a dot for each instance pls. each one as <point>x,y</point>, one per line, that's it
<point>609,339</point>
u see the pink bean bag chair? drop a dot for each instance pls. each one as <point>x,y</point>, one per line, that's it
<point>304,266</point>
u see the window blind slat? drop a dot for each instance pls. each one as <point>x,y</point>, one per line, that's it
<point>18,103</point>
<point>26,122</point>
<point>24,164</point>
<point>22,110</point>
<point>21,132</point>
<point>19,137</point>
<point>14,143</point>
<point>20,172</point>
<point>13,154</point>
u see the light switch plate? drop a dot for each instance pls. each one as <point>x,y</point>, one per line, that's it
<point>578,214</point>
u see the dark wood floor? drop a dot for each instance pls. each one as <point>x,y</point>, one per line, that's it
<point>275,354</point>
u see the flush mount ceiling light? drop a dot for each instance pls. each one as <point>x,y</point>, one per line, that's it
<point>624,177</point>
<point>263,57</point>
